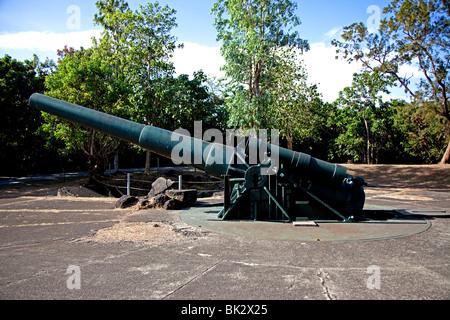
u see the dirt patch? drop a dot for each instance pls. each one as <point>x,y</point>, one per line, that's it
<point>435,177</point>
<point>152,226</point>
<point>141,232</point>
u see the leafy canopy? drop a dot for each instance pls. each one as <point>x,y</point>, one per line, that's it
<point>252,32</point>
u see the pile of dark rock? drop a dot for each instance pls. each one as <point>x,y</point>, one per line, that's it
<point>162,195</point>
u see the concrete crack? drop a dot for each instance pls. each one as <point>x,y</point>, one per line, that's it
<point>197,276</point>
<point>326,291</point>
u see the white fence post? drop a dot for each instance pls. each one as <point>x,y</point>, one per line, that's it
<point>128,184</point>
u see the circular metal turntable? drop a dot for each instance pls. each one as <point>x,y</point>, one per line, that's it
<point>206,218</point>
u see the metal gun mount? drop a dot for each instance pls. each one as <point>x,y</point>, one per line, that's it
<point>297,186</point>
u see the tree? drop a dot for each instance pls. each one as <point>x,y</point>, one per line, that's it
<point>139,43</point>
<point>423,132</point>
<point>83,77</point>
<point>363,98</point>
<point>192,101</point>
<point>293,101</point>
<point>252,32</point>
<point>414,32</point>
<point>387,143</point>
<point>21,148</point>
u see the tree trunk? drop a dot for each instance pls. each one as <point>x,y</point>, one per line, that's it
<point>368,138</point>
<point>91,160</point>
<point>446,158</point>
<point>148,158</point>
<point>96,167</point>
<point>91,179</point>
<point>289,141</point>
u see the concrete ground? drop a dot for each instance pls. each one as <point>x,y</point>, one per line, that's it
<point>83,248</point>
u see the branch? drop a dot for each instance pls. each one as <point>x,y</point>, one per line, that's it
<point>434,89</point>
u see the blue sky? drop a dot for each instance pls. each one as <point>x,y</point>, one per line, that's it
<point>42,27</point>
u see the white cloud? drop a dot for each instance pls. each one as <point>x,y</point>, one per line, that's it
<point>331,75</point>
<point>194,57</point>
<point>333,33</point>
<point>411,71</point>
<point>47,41</point>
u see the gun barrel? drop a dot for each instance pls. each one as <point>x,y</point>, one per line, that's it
<point>112,125</point>
<point>149,137</point>
<point>162,142</point>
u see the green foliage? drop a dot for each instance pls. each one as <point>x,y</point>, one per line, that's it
<point>128,73</point>
<point>139,44</point>
<point>363,111</point>
<point>386,138</point>
<point>295,105</point>
<point>15,75</point>
<point>83,77</point>
<point>424,133</point>
<point>192,101</point>
<point>21,149</point>
<point>252,33</point>
<point>372,131</point>
<point>413,32</point>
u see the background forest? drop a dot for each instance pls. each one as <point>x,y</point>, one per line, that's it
<point>127,72</point>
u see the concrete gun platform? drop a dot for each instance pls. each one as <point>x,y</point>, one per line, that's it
<point>156,255</point>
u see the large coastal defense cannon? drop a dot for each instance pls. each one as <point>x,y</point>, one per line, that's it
<point>281,185</point>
